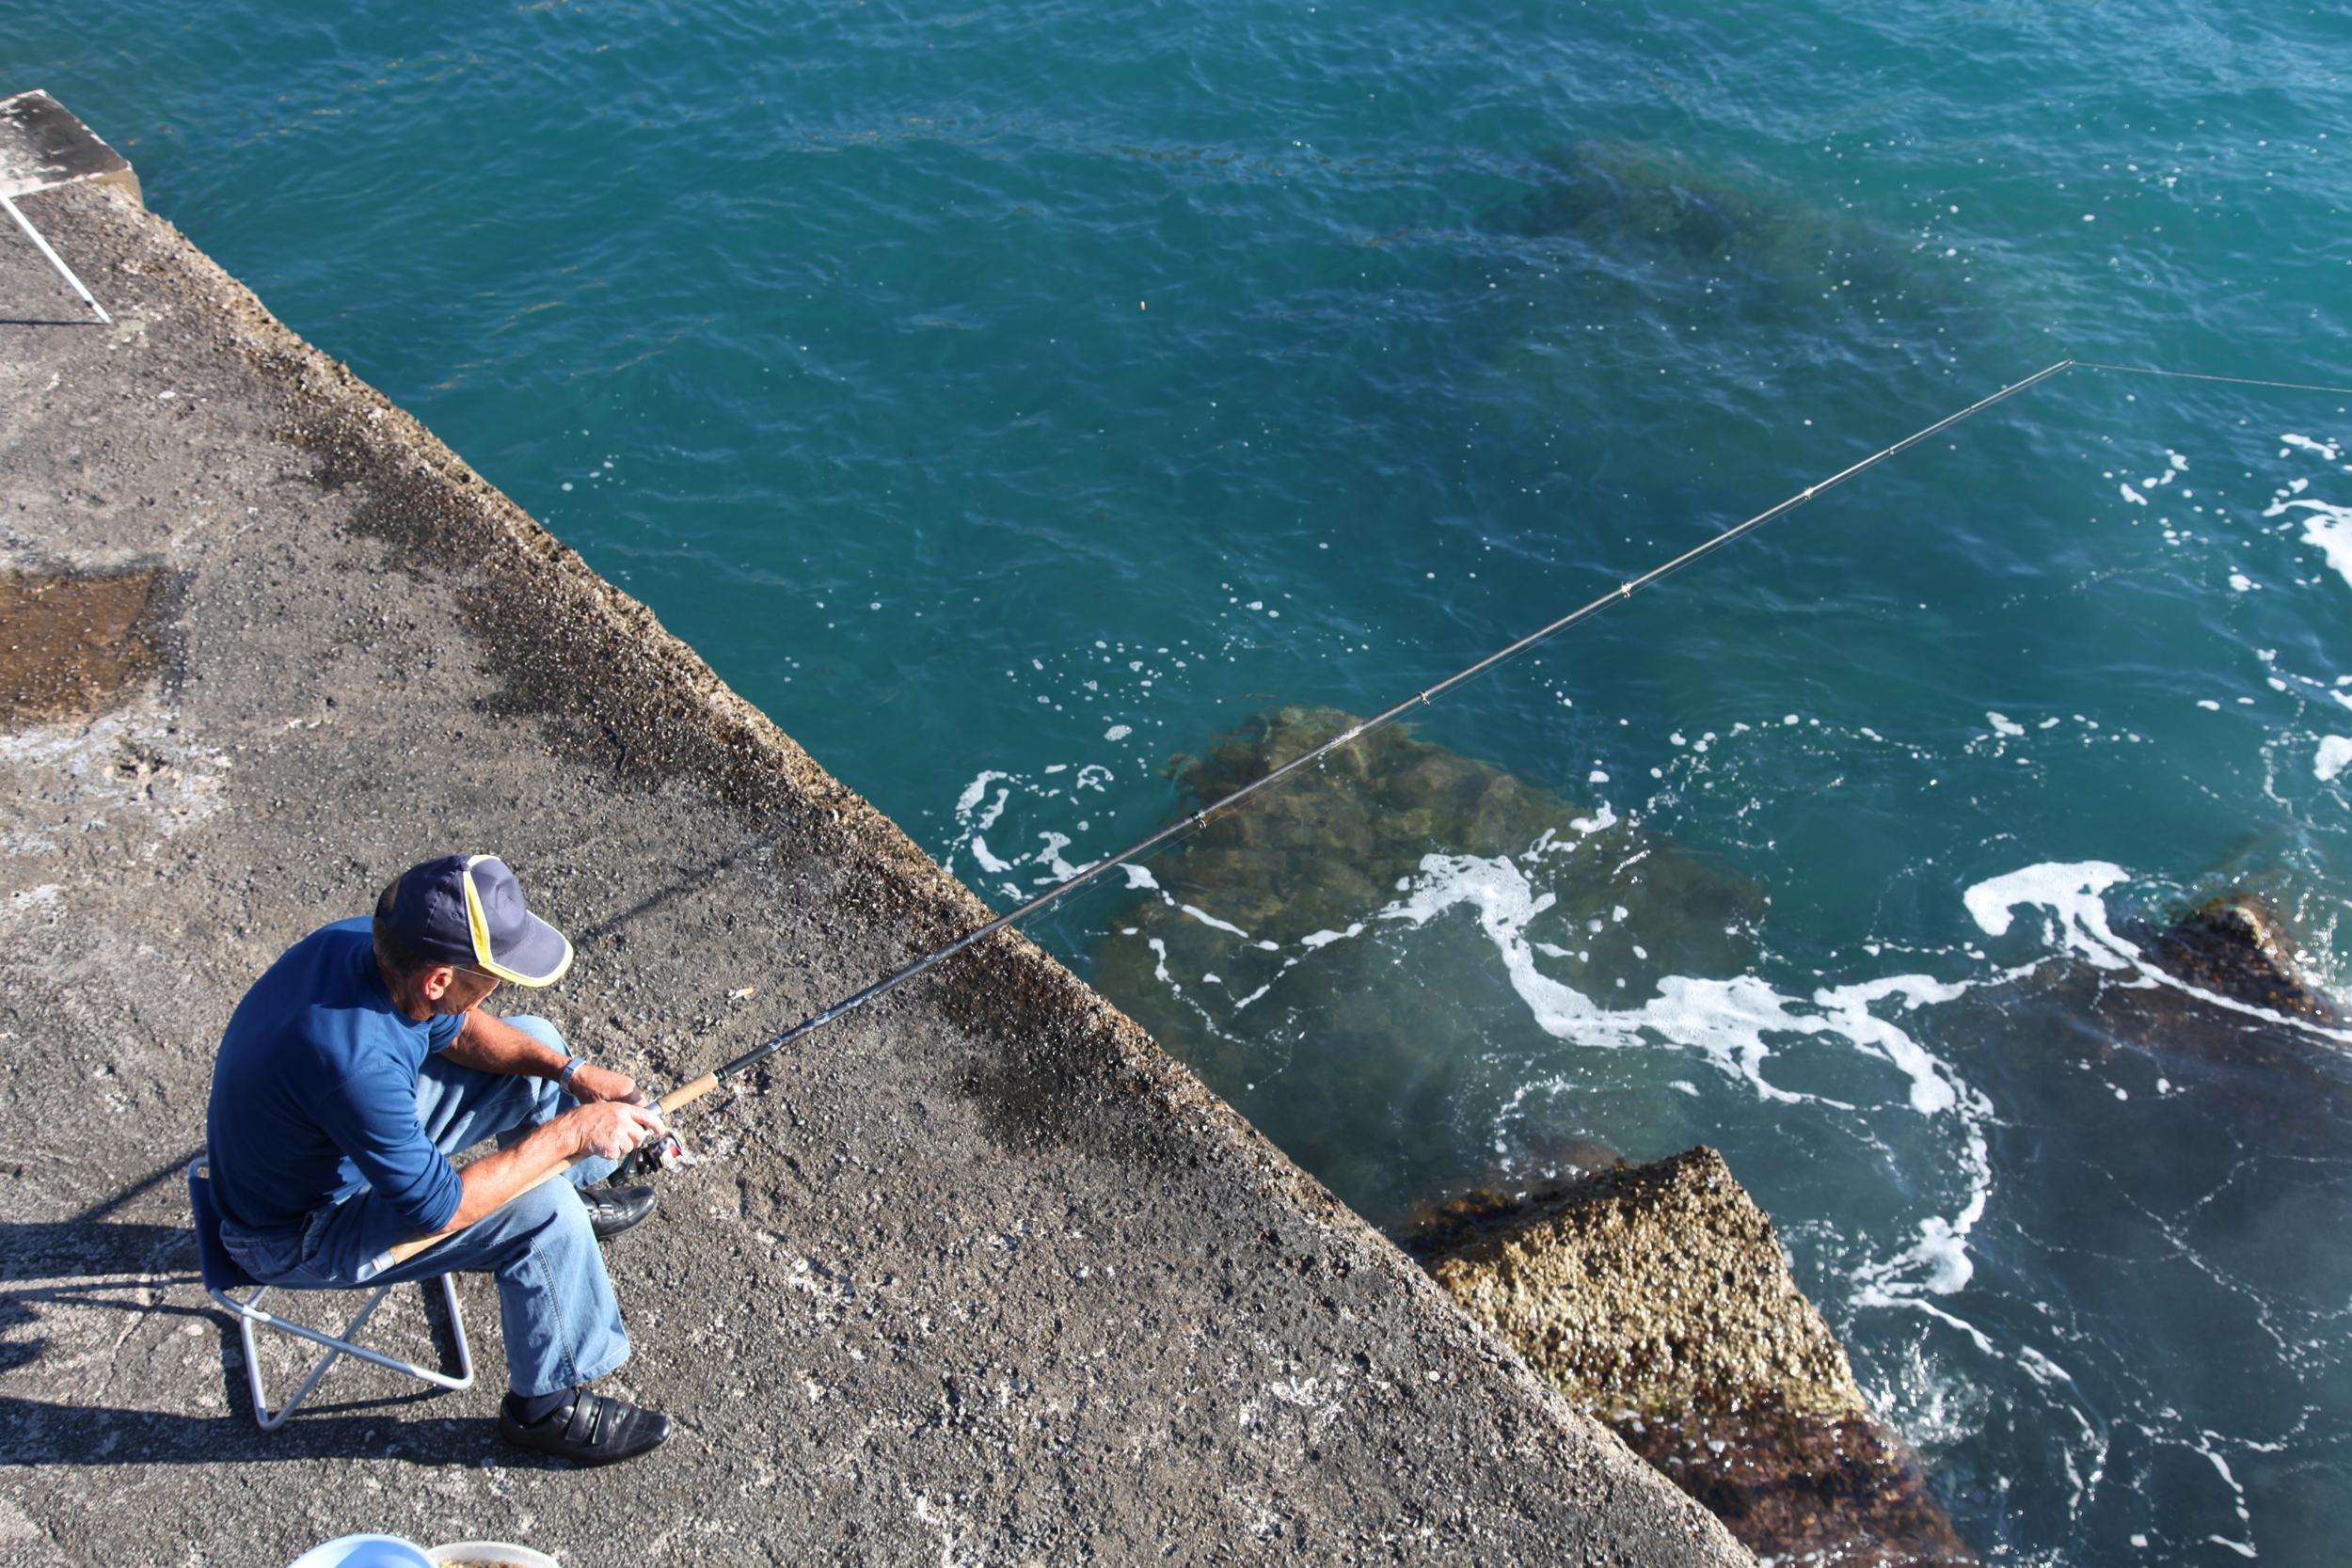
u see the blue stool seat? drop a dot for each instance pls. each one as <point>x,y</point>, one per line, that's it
<point>222,1275</point>
<point>219,1270</point>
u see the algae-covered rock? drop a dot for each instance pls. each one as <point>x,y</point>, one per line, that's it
<point>2241,947</point>
<point>1331,845</point>
<point>1328,845</point>
<point>1270,953</point>
<point>2227,1038</point>
<point>1656,1298</point>
<point>1652,209</point>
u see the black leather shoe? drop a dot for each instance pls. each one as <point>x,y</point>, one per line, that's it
<point>613,1209</point>
<point>589,1429</point>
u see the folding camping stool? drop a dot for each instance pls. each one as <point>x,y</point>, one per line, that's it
<point>222,1275</point>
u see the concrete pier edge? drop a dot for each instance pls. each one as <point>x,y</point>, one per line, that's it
<point>981,1274</point>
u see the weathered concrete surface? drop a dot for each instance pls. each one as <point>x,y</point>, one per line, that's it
<point>42,145</point>
<point>1657,1298</point>
<point>979,1274</point>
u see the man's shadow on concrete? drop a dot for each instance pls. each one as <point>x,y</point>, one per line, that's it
<point>33,1432</point>
<point>92,1261</point>
<point>87,1260</point>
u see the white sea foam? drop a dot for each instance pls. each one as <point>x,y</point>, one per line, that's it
<point>2335,751</point>
<point>1599,820</point>
<point>2069,892</point>
<point>2327,528</point>
<point>1935,1264</point>
<point>981,808</point>
<point>2330,529</point>
<point>2072,893</point>
<point>1207,919</point>
<point>1050,856</point>
<point>1846,1008</point>
<point>977,791</point>
<point>1725,1021</point>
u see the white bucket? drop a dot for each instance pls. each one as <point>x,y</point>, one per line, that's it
<point>504,1553</point>
<point>365,1551</point>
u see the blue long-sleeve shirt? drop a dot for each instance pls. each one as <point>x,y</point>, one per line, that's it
<point>315,1093</point>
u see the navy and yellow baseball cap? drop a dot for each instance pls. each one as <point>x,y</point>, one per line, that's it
<point>468,910</point>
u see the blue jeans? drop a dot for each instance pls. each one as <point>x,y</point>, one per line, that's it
<point>562,1325</point>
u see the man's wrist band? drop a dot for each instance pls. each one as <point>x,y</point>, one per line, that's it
<point>571,1066</point>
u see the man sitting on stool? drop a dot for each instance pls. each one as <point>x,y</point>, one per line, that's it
<point>358,1064</point>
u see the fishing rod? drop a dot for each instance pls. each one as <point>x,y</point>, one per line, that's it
<point>664,1150</point>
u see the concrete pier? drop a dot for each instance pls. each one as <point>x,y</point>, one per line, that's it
<point>43,146</point>
<point>976,1276</point>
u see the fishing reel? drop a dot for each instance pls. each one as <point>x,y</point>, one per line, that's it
<point>667,1152</point>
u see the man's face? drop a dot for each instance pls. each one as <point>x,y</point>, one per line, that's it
<point>451,989</point>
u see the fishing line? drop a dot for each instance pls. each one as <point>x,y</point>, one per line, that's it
<point>2199,375</point>
<point>1421,699</point>
<point>1380,720</point>
<point>687,1093</point>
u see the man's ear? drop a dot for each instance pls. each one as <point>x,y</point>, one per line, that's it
<point>437,980</point>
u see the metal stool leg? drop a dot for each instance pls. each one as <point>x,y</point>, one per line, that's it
<point>457,1331</point>
<point>222,1274</point>
<point>250,1315</point>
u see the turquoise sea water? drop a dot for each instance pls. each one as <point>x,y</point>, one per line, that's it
<point>1007,401</point>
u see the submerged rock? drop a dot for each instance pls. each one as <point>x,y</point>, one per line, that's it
<point>1656,1298</point>
<point>1332,844</point>
<point>1620,194</point>
<point>2178,1079</point>
<point>1654,210</point>
<point>1265,954</point>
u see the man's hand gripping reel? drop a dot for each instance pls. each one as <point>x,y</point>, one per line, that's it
<point>663,1151</point>
<point>667,1152</point>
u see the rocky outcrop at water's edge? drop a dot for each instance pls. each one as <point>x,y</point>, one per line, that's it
<point>1657,1299</point>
